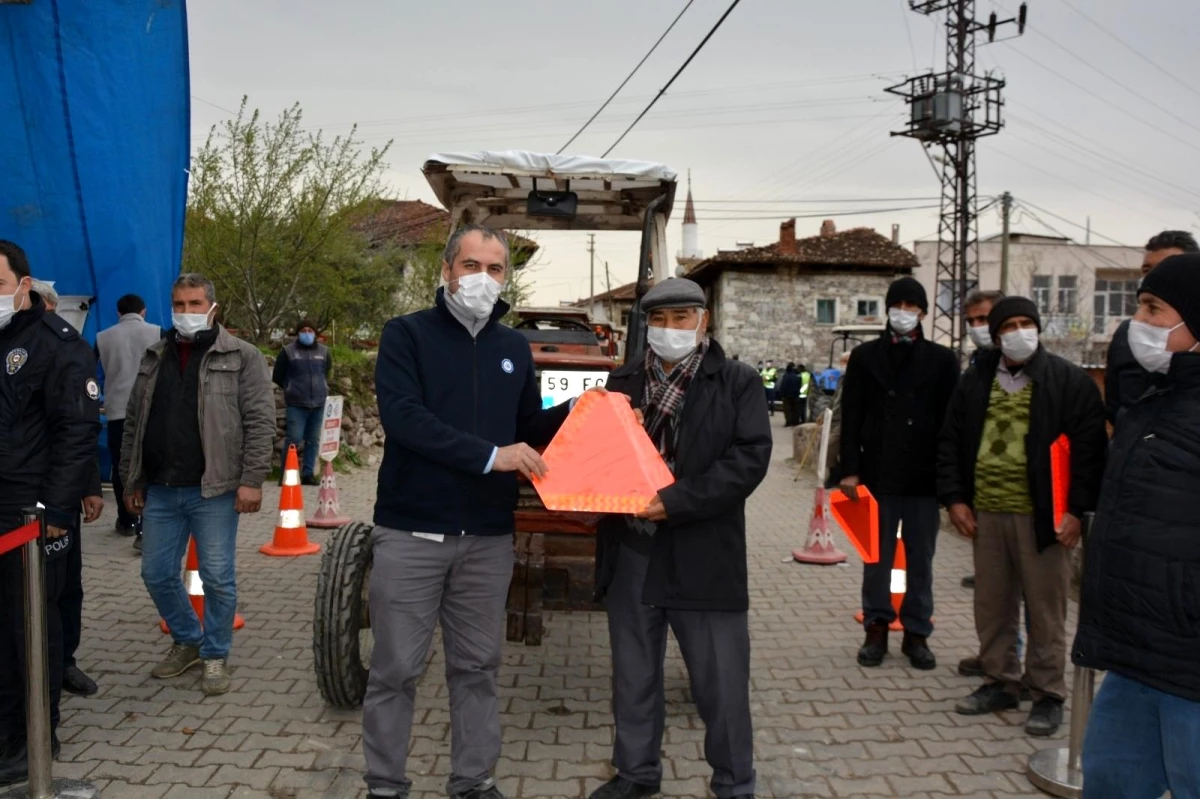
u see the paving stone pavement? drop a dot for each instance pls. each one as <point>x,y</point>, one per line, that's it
<point>823,725</point>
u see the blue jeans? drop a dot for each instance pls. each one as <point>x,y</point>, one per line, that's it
<point>304,425</point>
<point>172,515</point>
<point>1141,741</point>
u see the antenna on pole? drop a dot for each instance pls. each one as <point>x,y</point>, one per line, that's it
<point>953,109</point>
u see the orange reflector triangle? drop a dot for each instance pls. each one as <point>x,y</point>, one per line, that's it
<point>860,521</point>
<point>1060,476</point>
<point>602,461</point>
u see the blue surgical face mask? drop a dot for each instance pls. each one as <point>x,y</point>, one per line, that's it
<point>307,338</point>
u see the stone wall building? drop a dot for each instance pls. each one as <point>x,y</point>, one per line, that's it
<point>784,301</point>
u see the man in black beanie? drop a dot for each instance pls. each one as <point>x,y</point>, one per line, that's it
<point>995,478</point>
<point>1124,378</point>
<point>1139,606</point>
<point>894,397</point>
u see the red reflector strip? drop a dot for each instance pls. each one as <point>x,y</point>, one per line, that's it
<point>18,537</point>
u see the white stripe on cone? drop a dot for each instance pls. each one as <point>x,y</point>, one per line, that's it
<point>899,581</point>
<point>194,586</point>
<point>291,477</point>
<point>291,519</point>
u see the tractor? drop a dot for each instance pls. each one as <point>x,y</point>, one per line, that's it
<point>555,552</point>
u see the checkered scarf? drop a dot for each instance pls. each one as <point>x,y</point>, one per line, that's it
<point>663,398</point>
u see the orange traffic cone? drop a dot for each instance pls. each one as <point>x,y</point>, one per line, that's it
<point>291,536</point>
<point>899,582</point>
<point>195,589</point>
<point>819,548</point>
<point>328,511</point>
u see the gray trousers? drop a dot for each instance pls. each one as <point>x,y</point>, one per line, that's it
<point>463,580</point>
<point>716,650</point>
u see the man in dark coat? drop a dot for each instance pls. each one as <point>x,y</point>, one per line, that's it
<point>50,421</point>
<point>789,392</point>
<point>994,477</point>
<point>1124,378</point>
<point>1139,609</point>
<point>682,562</point>
<point>894,397</point>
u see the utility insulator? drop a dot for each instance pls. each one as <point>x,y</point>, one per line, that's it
<point>991,27</point>
<point>1022,14</point>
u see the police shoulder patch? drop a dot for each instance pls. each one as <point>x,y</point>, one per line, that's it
<point>15,360</point>
<point>507,366</point>
<point>92,388</point>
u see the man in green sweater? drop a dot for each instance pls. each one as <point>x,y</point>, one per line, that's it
<point>994,477</point>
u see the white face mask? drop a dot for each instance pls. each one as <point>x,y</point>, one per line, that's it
<point>1149,345</point>
<point>672,345</point>
<point>1019,345</point>
<point>190,325</point>
<point>981,336</point>
<point>7,309</point>
<point>476,296</point>
<point>903,322</point>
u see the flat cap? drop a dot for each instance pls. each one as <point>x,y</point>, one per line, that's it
<point>678,292</point>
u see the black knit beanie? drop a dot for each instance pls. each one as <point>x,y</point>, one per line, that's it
<point>1176,281</point>
<point>1009,307</point>
<point>907,289</point>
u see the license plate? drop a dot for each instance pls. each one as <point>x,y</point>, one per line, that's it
<point>558,387</point>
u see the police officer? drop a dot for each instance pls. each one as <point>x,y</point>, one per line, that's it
<point>50,418</point>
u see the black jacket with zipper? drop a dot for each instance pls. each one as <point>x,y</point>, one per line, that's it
<point>1139,606</point>
<point>698,555</point>
<point>446,401</point>
<point>1065,401</point>
<point>894,397</point>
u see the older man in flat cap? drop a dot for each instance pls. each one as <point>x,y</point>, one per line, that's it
<point>682,561</point>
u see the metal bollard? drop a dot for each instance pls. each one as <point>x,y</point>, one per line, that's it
<point>41,784</point>
<point>1059,772</point>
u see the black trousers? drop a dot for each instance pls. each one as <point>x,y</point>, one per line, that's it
<point>12,635</point>
<point>921,518</point>
<point>716,650</point>
<point>70,601</point>
<point>116,429</point>
<point>791,411</point>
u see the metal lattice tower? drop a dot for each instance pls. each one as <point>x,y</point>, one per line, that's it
<point>952,109</point>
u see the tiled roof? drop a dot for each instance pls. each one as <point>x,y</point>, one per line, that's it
<point>856,249</point>
<point>412,223</point>
<point>628,292</point>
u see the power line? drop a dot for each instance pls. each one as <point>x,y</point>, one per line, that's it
<point>678,72</point>
<point>1132,49</point>
<point>627,78</point>
<point>1073,224</point>
<point>826,201</point>
<point>820,214</point>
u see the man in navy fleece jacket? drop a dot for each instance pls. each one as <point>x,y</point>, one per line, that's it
<point>462,412</point>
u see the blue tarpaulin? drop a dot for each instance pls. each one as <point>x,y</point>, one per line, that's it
<point>94,146</point>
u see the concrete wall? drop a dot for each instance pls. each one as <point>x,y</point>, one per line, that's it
<point>761,314</point>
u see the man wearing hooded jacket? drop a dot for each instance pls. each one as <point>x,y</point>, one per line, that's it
<point>681,563</point>
<point>994,477</point>
<point>894,398</point>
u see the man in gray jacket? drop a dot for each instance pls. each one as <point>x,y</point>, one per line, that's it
<point>201,425</point>
<point>120,349</point>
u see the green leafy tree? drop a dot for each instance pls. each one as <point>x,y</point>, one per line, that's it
<point>270,210</point>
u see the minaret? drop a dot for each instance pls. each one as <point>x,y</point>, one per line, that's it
<point>690,255</point>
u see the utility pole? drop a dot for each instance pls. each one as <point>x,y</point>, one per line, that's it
<point>1005,213</point>
<point>608,290</point>
<point>953,109</point>
<point>592,254</point>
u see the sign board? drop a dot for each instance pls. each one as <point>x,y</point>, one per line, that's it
<point>331,428</point>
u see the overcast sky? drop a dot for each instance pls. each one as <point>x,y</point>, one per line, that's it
<point>785,103</point>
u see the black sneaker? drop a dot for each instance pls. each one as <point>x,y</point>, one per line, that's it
<point>387,793</point>
<point>15,767</point>
<point>310,480</point>
<point>137,544</point>
<point>1045,718</point>
<point>989,698</point>
<point>968,581</point>
<point>970,667</point>
<point>875,647</point>
<point>78,683</point>
<point>917,649</point>
<point>486,790</point>
<point>126,530</point>
<point>621,788</point>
